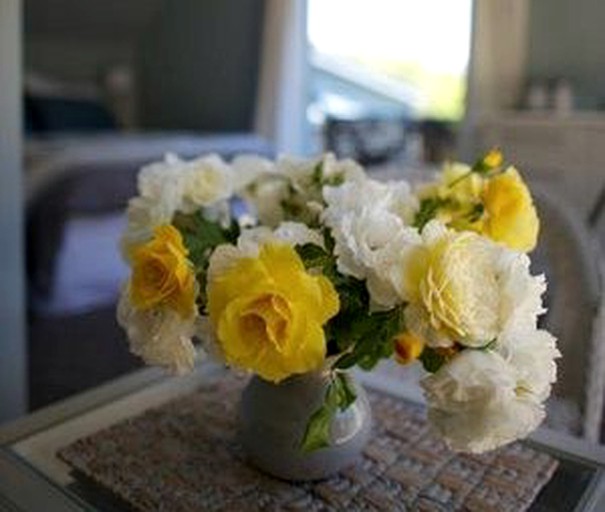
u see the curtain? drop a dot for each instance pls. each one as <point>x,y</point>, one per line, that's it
<point>496,75</point>
<point>282,91</point>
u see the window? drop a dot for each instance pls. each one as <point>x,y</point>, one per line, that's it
<point>388,56</point>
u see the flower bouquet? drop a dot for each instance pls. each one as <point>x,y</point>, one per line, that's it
<point>289,267</point>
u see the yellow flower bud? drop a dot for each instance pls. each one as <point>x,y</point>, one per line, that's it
<point>161,273</point>
<point>493,159</point>
<point>408,347</point>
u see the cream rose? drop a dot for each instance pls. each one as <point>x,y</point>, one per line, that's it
<point>459,288</point>
<point>468,289</point>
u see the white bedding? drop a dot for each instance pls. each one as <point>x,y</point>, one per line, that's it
<point>48,159</point>
<point>89,269</point>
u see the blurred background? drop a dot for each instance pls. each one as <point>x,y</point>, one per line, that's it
<point>90,91</point>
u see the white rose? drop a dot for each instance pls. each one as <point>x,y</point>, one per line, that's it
<point>175,185</point>
<point>291,187</point>
<point>301,171</point>
<point>360,236</point>
<point>477,403</point>
<point>401,201</point>
<point>371,236</point>
<point>521,300</point>
<point>159,336</point>
<point>249,168</point>
<point>297,233</point>
<point>394,197</point>
<point>250,240</point>
<point>341,171</point>
<point>163,180</point>
<point>532,354</point>
<point>143,215</point>
<point>298,170</point>
<point>206,181</point>
<point>188,184</point>
<point>291,233</point>
<point>394,265</point>
<point>371,245</point>
<point>353,197</point>
<point>266,198</point>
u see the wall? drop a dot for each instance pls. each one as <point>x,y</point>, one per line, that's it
<point>198,65</point>
<point>12,331</point>
<point>57,57</point>
<point>76,40</point>
<point>197,60</point>
<point>567,40</point>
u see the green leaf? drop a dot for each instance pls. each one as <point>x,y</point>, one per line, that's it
<point>201,236</point>
<point>363,338</point>
<point>329,241</point>
<point>346,391</point>
<point>476,212</point>
<point>335,180</point>
<point>340,394</point>
<point>317,433</point>
<point>429,207</point>
<point>346,361</point>
<point>318,174</point>
<point>292,207</point>
<point>480,168</point>
<point>431,360</point>
<point>312,255</point>
<point>370,338</point>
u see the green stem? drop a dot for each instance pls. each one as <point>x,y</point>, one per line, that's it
<point>460,179</point>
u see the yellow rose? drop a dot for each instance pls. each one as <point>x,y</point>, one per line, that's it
<point>161,273</point>
<point>458,288</point>
<point>268,313</point>
<point>510,215</point>
<point>408,347</point>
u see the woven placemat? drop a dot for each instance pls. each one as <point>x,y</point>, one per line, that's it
<point>183,456</point>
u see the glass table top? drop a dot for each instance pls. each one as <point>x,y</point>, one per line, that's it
<point>32,478</point>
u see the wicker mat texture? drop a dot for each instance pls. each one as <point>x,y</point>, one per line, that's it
<point>183,456</point>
